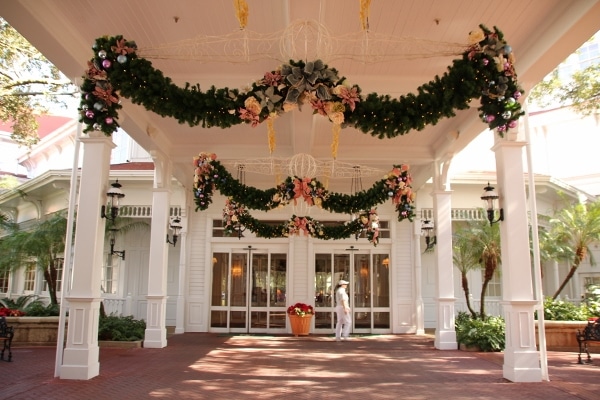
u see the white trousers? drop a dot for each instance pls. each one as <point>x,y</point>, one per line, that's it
<point>342,326</point>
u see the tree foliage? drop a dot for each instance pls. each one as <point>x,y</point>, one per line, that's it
<point>29,84</point>
<point>581,90</point>
<point>42,244</point>
<point>465,260</point>
<point>576,227</point>
<point>477,245</point>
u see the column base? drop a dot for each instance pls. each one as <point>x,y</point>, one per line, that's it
<point>80,364</point>
<point>521,358</point>
<point>445,334</point>
<point>155,338</point>
<point>445,340</point>
<point>522,366</point>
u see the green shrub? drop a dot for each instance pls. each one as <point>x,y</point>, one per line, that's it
<point>20,303</point>
<point>37,309</point>
<point>593,300</point>
<point>558,310</point>
<point>488,334</point>
<point>121,329</point>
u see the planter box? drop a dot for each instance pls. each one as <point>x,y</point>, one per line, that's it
<point>560,336</point>
<point>43,331</point>
<point>120,345</point>
<point>464,347</point>
<point>35,331</point>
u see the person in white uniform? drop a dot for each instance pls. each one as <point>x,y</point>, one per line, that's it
<point>342,326</point>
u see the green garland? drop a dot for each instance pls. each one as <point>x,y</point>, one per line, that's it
<point>236,219</point>
<point>210,174</point>
<point>485,71</point>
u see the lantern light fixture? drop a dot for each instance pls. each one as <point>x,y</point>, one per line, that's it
<point>489,196</point>
<point>427,229</point>
<point>175,226</point>
<point>113,195</point>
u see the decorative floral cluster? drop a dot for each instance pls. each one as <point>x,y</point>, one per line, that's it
<point>398,184</point>
<point>231,216</point>
<point>370,224</point>
<point>204,178</point>
<point>500,108</point>
<point>292,85</point>
<point>301,309</point>
<point>100,100</point>
<point>303,225</point>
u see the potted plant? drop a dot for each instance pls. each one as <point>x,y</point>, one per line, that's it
<point>300,316</point>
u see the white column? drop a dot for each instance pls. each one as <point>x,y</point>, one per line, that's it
<point>156,331</point>
<point>179,319</point>
<point>521,358</point>
<point>80,357</point>
<point>420,307</point>
<point>445,333</point>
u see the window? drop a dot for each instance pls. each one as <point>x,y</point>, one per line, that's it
<point>58,264</point>
<point>110,276</point>
<point>494,288</point>
<point>591,285</point>
<point>4,281</point>
<point>29,284</point>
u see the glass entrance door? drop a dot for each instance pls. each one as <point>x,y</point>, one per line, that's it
<point>248,291</point>
<point>369,290</point>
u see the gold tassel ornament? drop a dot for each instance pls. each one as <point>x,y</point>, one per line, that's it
<point>241,12</point>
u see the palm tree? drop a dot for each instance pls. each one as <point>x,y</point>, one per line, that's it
<point>45,242</point>
<point>482,247</point>
<point>465,260</point>
<point>576,227</point>
<point>42,244</point>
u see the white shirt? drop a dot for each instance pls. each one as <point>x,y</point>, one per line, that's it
<point>341,297</point>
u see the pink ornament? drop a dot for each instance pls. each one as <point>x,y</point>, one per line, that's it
<point>486,61</point>
<point>512,124</point>
<point>517,95</point>
<point>108,120</point>
<point>490,118</point>
<point>89,114</point>
<point>106,64</point>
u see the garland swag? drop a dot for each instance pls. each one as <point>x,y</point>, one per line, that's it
<point>484,71</point>
<point>210,174</point>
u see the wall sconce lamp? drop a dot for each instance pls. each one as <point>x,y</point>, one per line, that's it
<point>489,196</point>
<point>175,226</point>
<point>427,228</point>
<point>113,195</point>
<point>113,232</point>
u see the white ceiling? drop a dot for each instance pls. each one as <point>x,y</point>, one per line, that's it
<point>542,33</point>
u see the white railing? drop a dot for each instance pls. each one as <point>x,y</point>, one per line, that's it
<point>117,306</point>
<point>492,307</point>
<point>457,214</point>
<point>133,211</point>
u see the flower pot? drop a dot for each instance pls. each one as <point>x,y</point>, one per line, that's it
<point>300,324</point>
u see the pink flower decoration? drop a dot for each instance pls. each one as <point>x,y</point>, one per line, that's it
<point>272,79</point>
<point>349,96</point>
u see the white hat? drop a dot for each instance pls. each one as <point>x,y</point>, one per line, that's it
<point>343,282</point>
